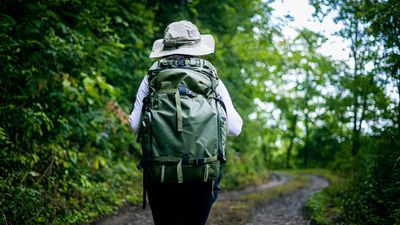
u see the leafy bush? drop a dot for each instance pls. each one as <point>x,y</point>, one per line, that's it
<point>65,156</point>
<point>369,195</point>
<point>375,194</point>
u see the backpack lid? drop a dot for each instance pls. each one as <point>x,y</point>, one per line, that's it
<point>198,64</point>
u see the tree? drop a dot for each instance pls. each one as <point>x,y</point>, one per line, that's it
<point>307,73</point>
<point>367,24</point>
<point>372,28</point>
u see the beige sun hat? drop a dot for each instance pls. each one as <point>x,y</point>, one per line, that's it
<point>183,38</point>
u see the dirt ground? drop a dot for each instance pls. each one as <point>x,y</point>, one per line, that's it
<point>288,209</point>
<point>283,210</point>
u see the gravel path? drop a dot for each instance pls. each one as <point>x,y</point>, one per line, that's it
<point>285,210</point>
<point>129,215</point>
<point>289,209</point>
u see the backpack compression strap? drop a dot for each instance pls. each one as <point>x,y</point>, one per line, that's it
<point>195,63</point>
<point>178,111</point>
<point>180,162</point>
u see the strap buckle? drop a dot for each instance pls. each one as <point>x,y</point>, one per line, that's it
<point>180,62</point>
<point>185,91</point>
<point>198,162</point>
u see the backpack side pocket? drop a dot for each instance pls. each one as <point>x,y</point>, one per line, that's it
<point>145,135</point>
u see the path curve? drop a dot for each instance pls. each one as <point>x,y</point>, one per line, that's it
<point>288,209</point>
<point>275,179</point>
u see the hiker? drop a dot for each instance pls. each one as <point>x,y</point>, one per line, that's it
<point>182,106</point>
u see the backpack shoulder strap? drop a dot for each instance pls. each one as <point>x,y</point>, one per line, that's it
<point>207,65</point>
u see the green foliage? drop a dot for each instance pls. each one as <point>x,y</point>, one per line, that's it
<point>64,157</point>
<point>326,207</point>
<point>374,187</point>
<point>371,194</point>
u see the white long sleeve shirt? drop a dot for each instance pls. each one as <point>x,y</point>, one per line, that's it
<point>234,120</point>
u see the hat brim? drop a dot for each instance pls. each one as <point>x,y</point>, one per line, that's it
<point>205,47</point>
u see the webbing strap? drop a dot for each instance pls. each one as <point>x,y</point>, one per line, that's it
<point>144,188</point>
<point>162,173</point>
<point>219,99</point>
<point>197,64</point>
<point>179,172</point>
<point>175,159</point>
<point>178,111</point>
<point>206,171</point>
<point>212,189</point>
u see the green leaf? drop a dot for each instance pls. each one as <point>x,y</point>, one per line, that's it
<point>34,173</point>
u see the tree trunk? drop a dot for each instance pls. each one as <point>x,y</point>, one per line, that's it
<point>265,153</point>
<point>306,118</point>
<point>356,132</point>
<point>305,149</point>
<point>398,110</point>
<point>357,127</point>
<point>289,153</point>
<point>292,136</point>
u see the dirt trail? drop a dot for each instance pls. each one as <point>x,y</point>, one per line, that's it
<point>285,210</point>
<point>289,209</point>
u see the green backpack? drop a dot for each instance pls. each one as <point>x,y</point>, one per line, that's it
<point>182,131</point>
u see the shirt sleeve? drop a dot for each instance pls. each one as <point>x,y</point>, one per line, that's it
<point>235,122</point>
<point>134,118</point>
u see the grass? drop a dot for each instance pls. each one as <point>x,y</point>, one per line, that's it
<point>332,177</point>
<point>323,206</point>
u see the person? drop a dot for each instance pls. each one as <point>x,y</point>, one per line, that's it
<point>187,203</point>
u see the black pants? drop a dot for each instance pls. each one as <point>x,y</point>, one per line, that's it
<point>181,204</point>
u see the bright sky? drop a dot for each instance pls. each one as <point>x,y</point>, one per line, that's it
<point>301,11</point>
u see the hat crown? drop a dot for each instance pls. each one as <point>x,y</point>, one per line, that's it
<point>183,38</point>
<point>181,32</point>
